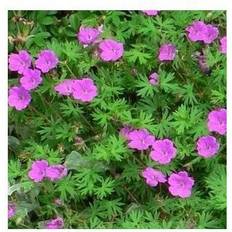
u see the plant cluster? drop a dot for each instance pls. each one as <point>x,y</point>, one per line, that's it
<point>117,119</point>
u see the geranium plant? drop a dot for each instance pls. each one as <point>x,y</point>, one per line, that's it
<point>117,119</point>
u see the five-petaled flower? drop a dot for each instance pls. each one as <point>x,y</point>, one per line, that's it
<point>140,139</point>
<point>31,79</point>
<point>38,170</point>
<point>56,172</point>
<point>163,151</point>
<point>110,50</point>
<point>180,184</point>
<point>207,146</point>
<point>167,52</point>
<point>19,97</point>
<point>65,88</point>
<point>46,61</point>
<point>217,121</point>
<point>87,35</point>
<point>153,176</point>
<point>84,90</point>
<point>20,61</point>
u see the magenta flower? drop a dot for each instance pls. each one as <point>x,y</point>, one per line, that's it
<point>31,79</point>
<point>199,31</point>
<point>19,98</point>
<point>150,12</point>
<point>84,90</point>
<point>124,132</point>
<point>223,45</point>
<point>207,146</point>
<point>163,151</point>
<point>56,223</point>
<point>180,184</point>
<point>56,172</point>
<point>46,61</point>
<point>38,170</point>
<point>140,139</point>
<point>110,50</point>
<point>154,79</point>
<point>217,121</point>
<point>11,210</point>
<point>167,52</point>
<point>87,35</point>
<point>19,62</point>
<point>153,177</point>
<point>65,87</point>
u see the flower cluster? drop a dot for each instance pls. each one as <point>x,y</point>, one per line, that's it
<point>199,31</point>
<point>208,146</point>
<point>83,90</point>
<point>180,184</point>
<point>162,150</point>
<point>40,170</point>
<point>19,96</point>
<point>107,49</point>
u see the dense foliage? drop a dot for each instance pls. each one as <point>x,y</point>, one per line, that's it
<point>104,187</point>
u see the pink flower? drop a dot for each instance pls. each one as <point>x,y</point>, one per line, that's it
<point>167,52</point>
<point>110,50</point>
<point>31,79</point>
<point>11,210</point>
<point>217,121</point>
<point>87,35</point>
<point>19,98</point>
<point>150,12</point>
<point>180,184</point>
<point>154,79</point>
<point>163,151</point>
<point>153,177</point>
<point>46,61</point>
<point>140,139</point>
<point>38,170</point>
<point>65,87</point>
<point>56,172</point>
<point>19,62</point>
<point>56,223</point>
<point>207,146</point>
<point>199,31</point>
<point>124,132</point>
<point>223,45</point>
<point>84,90</point>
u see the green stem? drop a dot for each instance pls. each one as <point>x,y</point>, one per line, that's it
<point>36,111</point>
<point>66,65</point>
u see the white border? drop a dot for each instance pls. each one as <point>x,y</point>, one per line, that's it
<point>102,5</point>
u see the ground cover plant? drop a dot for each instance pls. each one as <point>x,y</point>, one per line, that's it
<point>117,119</point>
